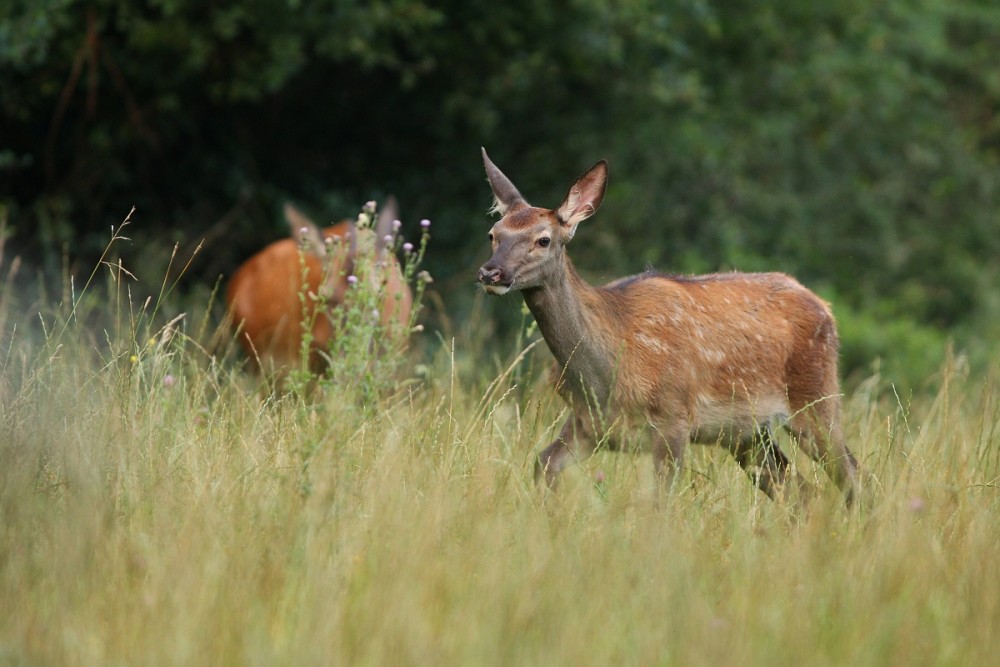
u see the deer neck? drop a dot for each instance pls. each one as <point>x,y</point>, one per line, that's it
<point>568,312</point>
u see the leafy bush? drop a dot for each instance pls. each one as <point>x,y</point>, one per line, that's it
<point>854,145</point>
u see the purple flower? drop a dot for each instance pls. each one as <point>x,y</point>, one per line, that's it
<point>425,223</point>
<point>387,238</point>
<point>352,279</point>
<point>396,224</point>
<point>168,380</point>
<point>407,247</point>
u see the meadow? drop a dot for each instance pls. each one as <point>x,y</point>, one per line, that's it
<point>161,506</point>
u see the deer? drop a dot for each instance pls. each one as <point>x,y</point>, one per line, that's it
<point>717,359</point>
<point>264,293</point>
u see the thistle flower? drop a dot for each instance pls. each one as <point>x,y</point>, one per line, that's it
<point>407,247</point>
<point>387,238</point>
<point>352,279</point>
<point>396,224</point>
<point>425,223</point>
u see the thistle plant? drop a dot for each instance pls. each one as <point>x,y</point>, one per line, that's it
<point>365,355</point>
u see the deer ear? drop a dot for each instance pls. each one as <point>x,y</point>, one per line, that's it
<point>505,195</point>
<point>304,229</point>
<point>383,225</point>
<point>584,197</point>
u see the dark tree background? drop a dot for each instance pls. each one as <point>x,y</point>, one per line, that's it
<point>854,144</point>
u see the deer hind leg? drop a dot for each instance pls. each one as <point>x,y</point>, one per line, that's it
<point>817,428</point>
<point>670,442</point>
<point>766,465</point>
<point>575,443</point>
<point>763,462</point>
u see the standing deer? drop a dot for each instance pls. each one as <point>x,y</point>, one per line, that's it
<point>712,359</point>
<point>264,293</point>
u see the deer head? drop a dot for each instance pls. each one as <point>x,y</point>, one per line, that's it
<point>528,242</point>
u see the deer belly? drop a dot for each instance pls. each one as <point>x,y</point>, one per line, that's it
<point>723,421</point>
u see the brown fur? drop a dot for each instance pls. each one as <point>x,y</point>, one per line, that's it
<point>264,295</point>
<point>715,359</point>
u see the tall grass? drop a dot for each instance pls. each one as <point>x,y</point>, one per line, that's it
<point>156,507</point>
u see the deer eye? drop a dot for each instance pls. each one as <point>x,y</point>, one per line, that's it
<point>544,241</point>
<point>491,237</point>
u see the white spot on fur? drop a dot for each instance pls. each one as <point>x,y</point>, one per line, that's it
<point>713,356</point>
<point>652,343</point>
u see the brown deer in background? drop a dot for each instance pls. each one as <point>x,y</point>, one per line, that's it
<point>714,359</point>
<point>264,293</point>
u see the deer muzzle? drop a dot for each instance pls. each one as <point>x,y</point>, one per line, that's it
<point>494,280</point>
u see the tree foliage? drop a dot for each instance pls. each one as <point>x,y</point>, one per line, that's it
<point>853,144</point>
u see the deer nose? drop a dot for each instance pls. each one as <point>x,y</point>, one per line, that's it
<point>489,275</point>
